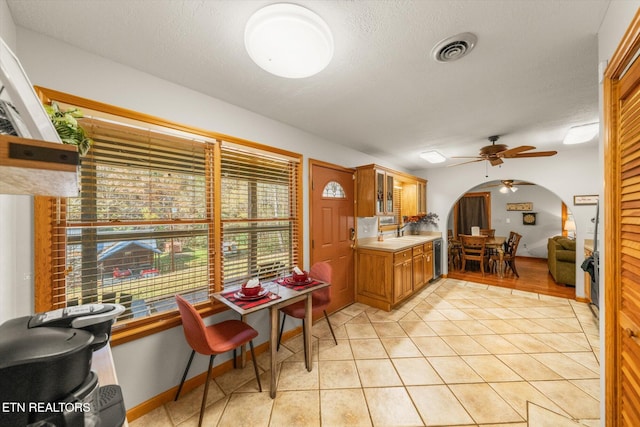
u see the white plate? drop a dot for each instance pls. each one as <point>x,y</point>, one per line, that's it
<point>260,294</point>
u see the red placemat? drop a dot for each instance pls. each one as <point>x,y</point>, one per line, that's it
<point>245,304</point>
<point>288,282</point>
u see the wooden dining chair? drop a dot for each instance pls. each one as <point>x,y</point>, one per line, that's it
<point>213,340</point>
<point>489,232</point>
<point>474,249</point>
<point>510,253</point>
<point>455,253</point>
<point>509,256</point>
<point>320,300</point>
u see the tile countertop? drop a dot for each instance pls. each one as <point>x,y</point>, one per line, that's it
<point>394,244</point>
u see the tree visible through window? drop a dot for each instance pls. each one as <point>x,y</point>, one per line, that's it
<point>144,226</point>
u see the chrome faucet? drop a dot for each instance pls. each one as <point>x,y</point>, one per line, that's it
<point>400,230</point>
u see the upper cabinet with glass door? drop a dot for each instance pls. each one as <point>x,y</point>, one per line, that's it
<point>381,191</point>
<point>374,191</point>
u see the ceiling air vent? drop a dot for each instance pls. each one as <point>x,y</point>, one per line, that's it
<point>455,47</point>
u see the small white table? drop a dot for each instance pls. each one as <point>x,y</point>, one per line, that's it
<point>287,296</point>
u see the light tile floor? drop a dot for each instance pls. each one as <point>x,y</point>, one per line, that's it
<point>456,354</point>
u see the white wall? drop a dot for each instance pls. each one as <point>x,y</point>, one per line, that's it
<point>149,366</point>
<point>566,174</point>
<point>548,208</point>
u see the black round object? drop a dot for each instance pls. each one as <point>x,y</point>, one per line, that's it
<point>40,365</point>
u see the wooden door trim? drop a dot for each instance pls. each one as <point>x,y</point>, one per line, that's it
<point>314,162</point>
<point>618,64</point>
<point>456,208</point>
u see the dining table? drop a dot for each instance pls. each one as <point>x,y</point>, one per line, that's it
<point>278,293</point>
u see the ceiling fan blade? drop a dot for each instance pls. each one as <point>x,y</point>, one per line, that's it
<point>464,163</point>
<point>496,161</point>
<point>466,157</point>
<point>512,152</point>
<point>523,183</point>
<point>537,154</point>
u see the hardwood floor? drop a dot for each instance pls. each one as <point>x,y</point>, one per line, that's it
<point>534,277</point>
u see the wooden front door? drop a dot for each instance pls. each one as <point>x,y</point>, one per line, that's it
<point>332,227</point>
<point>622,232</point>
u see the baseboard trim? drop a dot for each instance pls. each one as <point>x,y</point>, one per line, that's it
<point>168,395</point>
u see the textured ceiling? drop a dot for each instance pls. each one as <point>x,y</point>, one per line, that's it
<point>532,74</point>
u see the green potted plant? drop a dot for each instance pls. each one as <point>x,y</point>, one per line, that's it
<point>68,128</point>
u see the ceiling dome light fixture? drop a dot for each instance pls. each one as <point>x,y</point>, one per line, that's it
<point>288,40</point>
<point>581,134</point>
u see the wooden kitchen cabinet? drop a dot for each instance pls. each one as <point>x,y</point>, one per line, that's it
<point>422,197</point>
<point>385,278</point>
<point>374,191</point>
<point>428,261</point>
<point>376,188</point>
<point>402,275</point>
<point>418,267</point>
<point>375,277</point>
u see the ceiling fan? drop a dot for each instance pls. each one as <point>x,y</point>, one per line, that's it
<point>494,153</point>
<point>507,185</point>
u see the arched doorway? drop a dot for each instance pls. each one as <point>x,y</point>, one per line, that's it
<point>538,215</point>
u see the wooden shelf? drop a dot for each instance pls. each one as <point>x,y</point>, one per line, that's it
<point>29,166</point>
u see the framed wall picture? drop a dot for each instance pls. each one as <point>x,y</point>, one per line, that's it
<point>590,199</point>
<point>523,206</point>
<point>529,218</point>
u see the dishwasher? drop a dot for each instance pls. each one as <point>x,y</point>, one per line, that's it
<point>437,258</point>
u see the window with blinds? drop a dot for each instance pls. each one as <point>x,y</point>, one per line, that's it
<point>163,211</point>
<point>139,232</point>
<point>259,214</point>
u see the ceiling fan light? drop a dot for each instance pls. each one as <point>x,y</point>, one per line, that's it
<point>433,156</point>
<point>288,40</point>
<point>514,189</point>
<point>581,134</point>
<point>504,189</point>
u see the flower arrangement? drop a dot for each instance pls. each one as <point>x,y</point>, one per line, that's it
<point>429,218</point>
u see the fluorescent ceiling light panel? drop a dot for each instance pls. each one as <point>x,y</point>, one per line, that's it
<point>288,40</point>
<point>580,134</point>
<point>433,156</point>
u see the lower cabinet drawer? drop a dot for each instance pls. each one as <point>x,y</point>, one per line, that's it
<point>401,256</point>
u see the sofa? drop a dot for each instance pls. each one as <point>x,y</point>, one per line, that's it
<point>562,260</point>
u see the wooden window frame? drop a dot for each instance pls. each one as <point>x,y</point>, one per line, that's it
<point>46,246</point>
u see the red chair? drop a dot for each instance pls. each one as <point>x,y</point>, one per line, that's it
<point>213,340</point>
<point>320,300</point>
